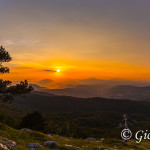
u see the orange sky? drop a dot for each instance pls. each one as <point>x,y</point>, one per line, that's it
<point>85,39</point>
<point>70,69</point>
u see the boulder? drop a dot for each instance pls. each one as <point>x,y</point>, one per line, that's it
<point>67,145</point>
<point>49,135</point>
<point>90,139</point>
<point>102,139</point>
<point>33,146</point>
<point>3,146</point>
<point>99,148</point>
<point>51,144</point>
<point>25,129</point>
<point>9,143</point>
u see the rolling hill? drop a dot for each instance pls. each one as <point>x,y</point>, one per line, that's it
<point>52,103</point>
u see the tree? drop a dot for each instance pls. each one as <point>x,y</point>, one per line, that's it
<point>8,92</point>
<point>9,119</point>
<point>34,121</point>
<point>126,123</point>
<point>66,129</point>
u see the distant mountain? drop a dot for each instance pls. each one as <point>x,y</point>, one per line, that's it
<point>37,87</point>
<point>128,92</point>
<point>101,90</point>
<point>70,83</point>
<point>45,83</point>
<point>76,91</point>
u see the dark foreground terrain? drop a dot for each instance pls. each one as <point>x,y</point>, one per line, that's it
<point>79,117</point>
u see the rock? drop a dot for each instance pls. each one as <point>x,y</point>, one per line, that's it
<point>68,145</point>
<point>25,129</point>
<point>51,144</point>
<point>90,139</point>
<point>49,135</point>
<point>53,134</point>
<point>116,147</point>
<point>99,148</point>
<point>9,143</point>
<point>83,146</point>
<point>3,146</point>
<point>102,139</point>
<point>33,146</point>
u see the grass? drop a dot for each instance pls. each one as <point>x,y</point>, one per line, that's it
<point>24,137</point>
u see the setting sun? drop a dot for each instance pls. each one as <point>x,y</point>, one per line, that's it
<point>58,70</point>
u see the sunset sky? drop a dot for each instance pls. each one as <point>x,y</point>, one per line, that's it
<point>101,39</point>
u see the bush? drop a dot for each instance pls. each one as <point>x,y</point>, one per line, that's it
<point>8,120</point>
<point>34,121</point>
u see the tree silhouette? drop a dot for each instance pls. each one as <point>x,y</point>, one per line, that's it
<point>126,124</point>
<point>8,92</point>
<point>66,129</point>
<point>34,121</point>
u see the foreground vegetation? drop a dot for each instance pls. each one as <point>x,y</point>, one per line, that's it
<point>65,143</point>
<point>74,126</point>
<point>97,124</point>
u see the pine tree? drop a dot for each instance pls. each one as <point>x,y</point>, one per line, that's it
<point>8,92</point>
<point>34,121</point>
<point>66,129</point>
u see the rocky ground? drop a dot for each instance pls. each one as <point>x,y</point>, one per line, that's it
<point>11,139</point>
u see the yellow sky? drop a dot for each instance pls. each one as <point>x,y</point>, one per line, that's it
<point>85,39</point>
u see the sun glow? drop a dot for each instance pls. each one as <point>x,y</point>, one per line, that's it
<point>58,70</point>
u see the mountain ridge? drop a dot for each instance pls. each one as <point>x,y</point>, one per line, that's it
<point>131,92</point>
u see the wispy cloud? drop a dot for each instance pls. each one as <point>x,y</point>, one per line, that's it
<point>50,70</point>
<point>20,42</point>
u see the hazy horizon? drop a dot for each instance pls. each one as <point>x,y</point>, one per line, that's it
<point>75,83</point>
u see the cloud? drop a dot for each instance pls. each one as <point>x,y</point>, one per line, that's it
<point>50,70</point>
